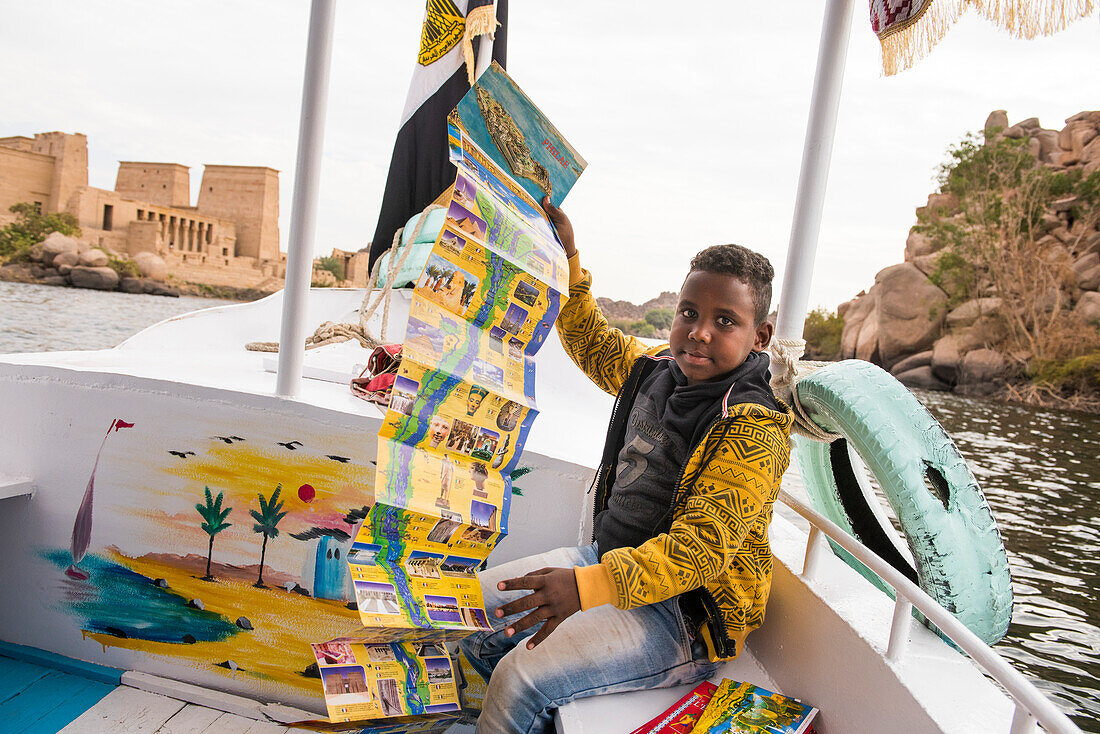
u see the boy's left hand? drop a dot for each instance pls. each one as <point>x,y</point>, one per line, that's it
<point>554,597</point>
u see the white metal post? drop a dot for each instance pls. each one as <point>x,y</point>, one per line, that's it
<point>303,213</point>
<point>899,627</point>
<point>832,53</point>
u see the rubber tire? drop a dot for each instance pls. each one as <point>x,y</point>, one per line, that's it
<point>960,559</point>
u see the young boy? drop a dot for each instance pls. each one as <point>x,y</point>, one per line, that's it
<point>680,569</point>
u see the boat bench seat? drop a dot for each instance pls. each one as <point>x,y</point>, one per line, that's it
<point>13,486</point>
<point>617,713</point>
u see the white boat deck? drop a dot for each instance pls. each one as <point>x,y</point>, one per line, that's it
<point>131,711</point>
<point>135,707</point>
<point>824,641</point>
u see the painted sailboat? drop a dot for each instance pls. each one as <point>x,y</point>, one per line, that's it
<point>82,526</point>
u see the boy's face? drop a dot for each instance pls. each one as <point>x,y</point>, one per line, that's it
<point>714,330</point>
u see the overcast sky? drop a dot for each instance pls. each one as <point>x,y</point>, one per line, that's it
<point>696,115</point>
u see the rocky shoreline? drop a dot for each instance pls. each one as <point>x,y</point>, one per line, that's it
<point>946,320</point>
<point>63,261</point>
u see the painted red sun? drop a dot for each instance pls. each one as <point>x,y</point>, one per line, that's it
<point>306,493</point>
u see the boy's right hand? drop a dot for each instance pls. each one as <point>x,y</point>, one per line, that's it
<point>562,225</point>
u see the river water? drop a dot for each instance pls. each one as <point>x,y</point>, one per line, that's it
<point>42,318</point>
<point>1040,470</point>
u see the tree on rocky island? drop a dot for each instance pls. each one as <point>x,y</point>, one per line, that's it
<point>334,265</point>
<point>660,318</point>
<point>267,522</point>
<point>31,227</point>
<point>997,240</point>
<point>213,522</point>
<point>822,334</point>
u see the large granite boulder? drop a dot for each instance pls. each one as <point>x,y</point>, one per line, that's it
<point>938,205</point>
<point>1090,279</point>
<point>854,312</point>
<point>151,265</point>
<point>922,379</point>
<point>918,245</point>
<point>1048,143</point>
<point>131,285</point>
<point>103,279</point>
<point>66,258</point>
<point>967,313</point>
<point>997,121</point>
<point>94,258</point>
<point>909,311</point>
<point>55,244</point>
<point>1088,307</point>
<point>1084,264</point>
<point>982,371</point>
<point>867,343</point>
<point>920,359</point>
<point>946,357</point>
<point>1090,243</point>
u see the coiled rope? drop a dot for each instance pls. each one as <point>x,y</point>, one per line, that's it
<point>788,353</point>
<point>330,332</point>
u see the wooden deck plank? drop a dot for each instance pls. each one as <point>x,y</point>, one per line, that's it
<point>17,675</point>
<point>126,711</point>
<point>233,724</point>
<point>190,720</point>
<point>50,703</point>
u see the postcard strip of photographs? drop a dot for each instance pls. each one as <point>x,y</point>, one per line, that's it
<point>459,414</point>
<point>385,679</point>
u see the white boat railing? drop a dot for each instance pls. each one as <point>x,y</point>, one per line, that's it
<point>1032,707</point>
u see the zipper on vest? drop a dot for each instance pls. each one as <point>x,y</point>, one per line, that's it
<point>600,481</point>
<point>714,615</point>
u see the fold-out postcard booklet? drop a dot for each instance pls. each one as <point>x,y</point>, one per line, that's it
<point>461,407</point>
<point>750,709</point>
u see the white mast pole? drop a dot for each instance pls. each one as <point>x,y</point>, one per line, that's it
<point>831,55</point>
<point>303,213</point>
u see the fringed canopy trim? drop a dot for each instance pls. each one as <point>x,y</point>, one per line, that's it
<point>906,42</point>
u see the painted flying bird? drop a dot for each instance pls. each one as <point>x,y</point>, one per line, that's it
<point>182,454</point>
<point>228,439</point>
<point>341,459</point>
<point>291,445</point>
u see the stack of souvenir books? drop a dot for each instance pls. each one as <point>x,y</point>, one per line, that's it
<point>732,707</point>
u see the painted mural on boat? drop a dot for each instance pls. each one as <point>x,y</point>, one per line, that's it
<point>221,547</point>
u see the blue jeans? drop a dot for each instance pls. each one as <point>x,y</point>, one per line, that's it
<point>602,650</point>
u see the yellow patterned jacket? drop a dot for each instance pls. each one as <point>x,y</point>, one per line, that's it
<point>715,555</point>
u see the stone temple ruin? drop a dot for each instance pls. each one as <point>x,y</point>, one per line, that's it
<point>230,237</point>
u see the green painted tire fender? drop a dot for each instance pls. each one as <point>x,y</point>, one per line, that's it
<point>960,560</point>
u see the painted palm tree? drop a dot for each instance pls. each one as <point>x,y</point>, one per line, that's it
<point>267,521</point>
<point>213,522</point>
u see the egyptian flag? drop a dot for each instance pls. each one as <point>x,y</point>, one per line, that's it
<point>419,169</point>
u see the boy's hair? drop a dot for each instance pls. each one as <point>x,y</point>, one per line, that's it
<point>744,264</point>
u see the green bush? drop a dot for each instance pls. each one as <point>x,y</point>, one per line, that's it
<point>660,318</point>
<point>822,334</point>
<point>124,268</point>
<point>634,328</point>
<point>1079,374</point>
<point>956,276</point>
<point>334,265</point>
<point>31,228</point>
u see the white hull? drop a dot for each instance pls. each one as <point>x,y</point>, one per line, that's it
<point>187,381</point>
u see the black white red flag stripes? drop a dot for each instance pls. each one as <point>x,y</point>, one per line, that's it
<point>419,169</point>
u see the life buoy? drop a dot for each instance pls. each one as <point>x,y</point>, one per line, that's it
<point>958,557</point>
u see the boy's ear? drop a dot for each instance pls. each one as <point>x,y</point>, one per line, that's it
<point>764,331</point>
